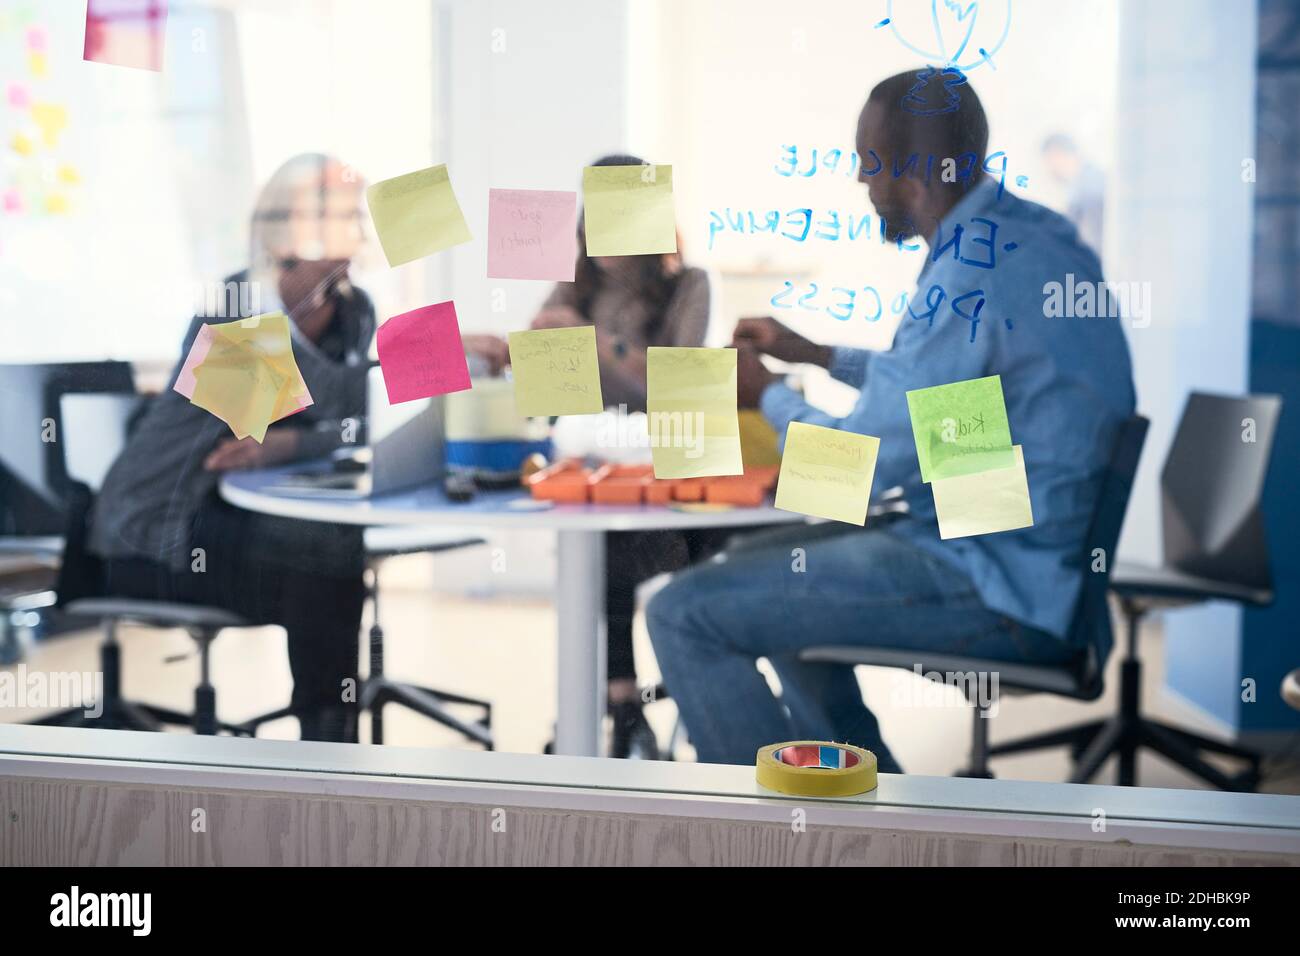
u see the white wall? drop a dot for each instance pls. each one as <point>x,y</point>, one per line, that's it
<point>533,92</point>
<point>1182,215</point>
<point>1184,224</point>
<point>537,91</point>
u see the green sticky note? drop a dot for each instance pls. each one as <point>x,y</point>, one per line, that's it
<point>984,503</point>
<point>556,371</point>
<point>628,210</point>
<point>826,473</point>
<point>416,215</point>
<point>691,412</point>
<point>961,428</point>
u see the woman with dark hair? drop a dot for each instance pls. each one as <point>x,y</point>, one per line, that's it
<point>159,508</point>
<point>634,303</point>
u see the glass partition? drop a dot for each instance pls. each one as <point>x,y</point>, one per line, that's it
<point>452,490</point>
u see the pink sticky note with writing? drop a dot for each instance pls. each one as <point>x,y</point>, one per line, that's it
<point>18,96</point>
<point>126,33</point>
<point>532,234</point>
<point>421,354</point>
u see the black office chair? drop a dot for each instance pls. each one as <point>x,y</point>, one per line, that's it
<point>1214,550</point>
<point>26,589</point>
<point>80,583</point>
<point>34,486</point>
<point>1090,630</point>
<point>379,690</point>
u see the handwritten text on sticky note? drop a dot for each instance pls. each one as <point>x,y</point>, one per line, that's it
<point>827,473</point>
<point>532,234</point>
<point>556,371</point>
<point>421,354</point>
<point>960,428</point>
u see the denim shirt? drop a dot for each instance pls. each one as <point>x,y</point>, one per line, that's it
<point>1068,384</point>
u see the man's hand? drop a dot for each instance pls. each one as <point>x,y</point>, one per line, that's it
<point>770,337</point>
<point>490,348</point>
<point>280,445</point>
<point>752,377</point>
<point>558,317</point>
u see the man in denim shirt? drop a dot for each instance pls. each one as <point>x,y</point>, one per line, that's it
<point>978,310</point>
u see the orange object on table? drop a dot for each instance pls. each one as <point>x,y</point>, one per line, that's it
<point>565,481</point>
<point>689,489</point>
<point>570,482</point>
<point>660,490</point>
<point>619,484</point>
<point>735,490</point>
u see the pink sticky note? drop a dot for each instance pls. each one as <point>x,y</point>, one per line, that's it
<point>18,96</point>
<point>185,380</point>
<point>36,39</point>
<point>532,234</point>
<point>126,33</point>
<point>421,354</point>
<point>13,200</point>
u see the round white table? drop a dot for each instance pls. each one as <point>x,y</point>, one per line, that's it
<point>580,558</point>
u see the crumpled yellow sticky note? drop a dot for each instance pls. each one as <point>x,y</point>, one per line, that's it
<point>244,372</point>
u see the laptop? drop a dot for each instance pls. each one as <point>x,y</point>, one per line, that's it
<point>405,449</point>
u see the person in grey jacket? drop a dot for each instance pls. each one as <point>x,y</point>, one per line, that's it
<point>158,521</point>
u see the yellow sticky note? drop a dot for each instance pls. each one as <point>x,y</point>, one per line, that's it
<point>984,503</point>
<point>758,446</point>
<point>52,119</point>
<point>268,335</point>
<point>21,144</point>
<point>416,215</point>
<point>69,175</point>
<point>691,406</point>
<point>248,374</point>
<point>556,371</point>
<point>826,473</point>
<point>56,203</point>
<point>37,64</point>
<point>628,210</point>
<point>238,386</point>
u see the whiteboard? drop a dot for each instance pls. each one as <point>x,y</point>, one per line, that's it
<point>108,227</point>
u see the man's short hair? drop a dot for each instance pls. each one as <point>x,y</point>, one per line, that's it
<point>922,116</point>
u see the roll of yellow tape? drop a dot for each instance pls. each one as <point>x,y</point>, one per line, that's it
<point>813,768</point>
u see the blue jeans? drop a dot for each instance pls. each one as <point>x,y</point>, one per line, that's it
<point>857,587</point>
